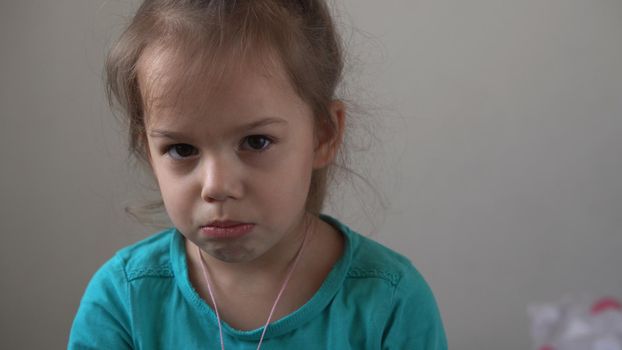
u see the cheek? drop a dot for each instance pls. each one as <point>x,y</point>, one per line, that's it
<point>176,197</point>
<point>287,186</point>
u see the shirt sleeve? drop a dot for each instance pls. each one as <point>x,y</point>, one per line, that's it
<point>414,321</point>
<point>103,317</point>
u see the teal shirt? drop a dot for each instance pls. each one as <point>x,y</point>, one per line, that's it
<point>142,298</point>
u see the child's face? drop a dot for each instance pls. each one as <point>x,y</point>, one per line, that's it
<point>242,152</point>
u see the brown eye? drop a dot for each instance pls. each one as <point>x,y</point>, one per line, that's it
<point>181,151</point>
<point>257,142</point>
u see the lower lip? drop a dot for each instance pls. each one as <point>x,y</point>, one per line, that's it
<point>227,232</point>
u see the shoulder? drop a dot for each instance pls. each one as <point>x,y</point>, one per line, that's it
<point>387,281</point>
<point>104,315</point>
<point>148,257</point>
<point>369,258</point>
<point>382,272</point>
<point>373,260</point>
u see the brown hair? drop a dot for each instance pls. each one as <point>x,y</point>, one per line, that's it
<point>300,33</point>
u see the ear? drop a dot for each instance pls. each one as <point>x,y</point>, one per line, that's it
<point>330,135</point>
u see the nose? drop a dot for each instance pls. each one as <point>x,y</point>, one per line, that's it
<point>221,179</point>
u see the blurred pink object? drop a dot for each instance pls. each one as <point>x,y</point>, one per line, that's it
<point>577,323</point>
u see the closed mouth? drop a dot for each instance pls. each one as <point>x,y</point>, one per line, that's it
<point>225,223</point>
<point>226,229</point>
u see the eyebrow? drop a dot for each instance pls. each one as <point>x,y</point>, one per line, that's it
<point>254,125</point>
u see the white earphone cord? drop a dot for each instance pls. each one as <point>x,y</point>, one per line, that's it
<point>276,301</point>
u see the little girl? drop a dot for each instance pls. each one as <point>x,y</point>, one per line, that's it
<point>231,104</point>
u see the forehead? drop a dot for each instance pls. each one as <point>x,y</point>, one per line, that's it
<point>193,84</point>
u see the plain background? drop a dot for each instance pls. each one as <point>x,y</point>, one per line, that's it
<point>496,143</point>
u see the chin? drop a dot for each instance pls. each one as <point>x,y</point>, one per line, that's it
<point>232,255</point>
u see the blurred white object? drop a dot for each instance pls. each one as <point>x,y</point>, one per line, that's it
<point>577,323</point>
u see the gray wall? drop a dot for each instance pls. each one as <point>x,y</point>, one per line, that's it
<point>498,130</point>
